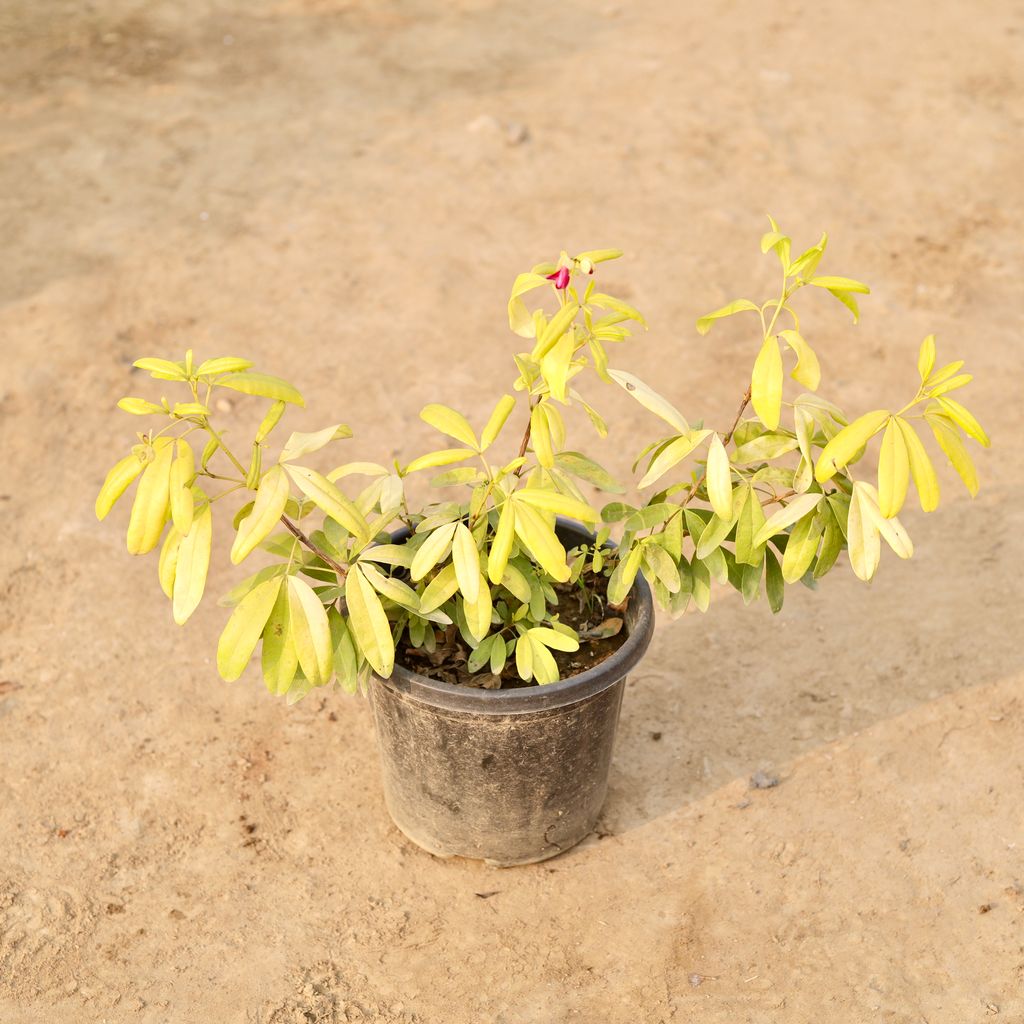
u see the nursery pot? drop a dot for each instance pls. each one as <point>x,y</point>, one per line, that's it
<point>509,776</point>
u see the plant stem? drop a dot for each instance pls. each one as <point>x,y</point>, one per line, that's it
<point>299,535</point>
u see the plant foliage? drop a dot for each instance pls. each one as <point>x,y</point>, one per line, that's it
<point>774,499</point>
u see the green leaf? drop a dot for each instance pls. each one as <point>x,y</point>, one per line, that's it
<point>749,524</point>
<point>622,578</point>
<point>304,444</point>
<point>847,443</point>
<point>330,500</point>
<point>763,448</point>
<point>893,470</point>
<point>650,515</point>
<point>388,554</point>
<point>466,559</point>
<point>244,627</point>
<point>346,664</point>
<point>117,482</point>
<point>797,509</point>
<point>774,584</point>
<point>651,400</point>
<point>831,544</point>
<point>583,468</point>
<point>433,550</point>
<point>926,357</point>
<point>540,540</point>
<point>263,385</point>
<point>370,627</point>
<point>149,510</point>
<point>842,284</point>
<point>192,566</point>
<point>719,478</point>
<point>498,418</point>
<point>766,383</point>
<point>672,455</point>
<point>223,364</point>
<point>701,585</point>
<point>716,530</point>
<point>279,658</point>
<point>801,548</point>
<point>738,306</point>
<point>310,630</point>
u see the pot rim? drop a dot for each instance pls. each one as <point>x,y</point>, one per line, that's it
<point>639,618</point>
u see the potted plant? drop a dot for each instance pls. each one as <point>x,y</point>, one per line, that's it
<point>493,627</point>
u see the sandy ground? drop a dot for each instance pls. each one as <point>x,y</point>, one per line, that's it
<point>345,190</point>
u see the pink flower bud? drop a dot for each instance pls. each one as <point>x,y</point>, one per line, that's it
<point>560,277</point>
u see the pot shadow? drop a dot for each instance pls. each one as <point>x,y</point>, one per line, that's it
<point>739,690</point>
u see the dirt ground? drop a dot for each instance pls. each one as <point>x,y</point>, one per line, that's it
<point>344,191</point>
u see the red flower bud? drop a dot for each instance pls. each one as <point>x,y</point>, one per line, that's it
<point>560,277</point>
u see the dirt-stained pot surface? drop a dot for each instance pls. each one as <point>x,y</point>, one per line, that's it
<point>343,191</point>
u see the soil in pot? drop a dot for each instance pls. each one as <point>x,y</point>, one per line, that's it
<point>582,605</point>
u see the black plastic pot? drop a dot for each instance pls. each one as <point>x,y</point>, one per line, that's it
<point>507,776</point>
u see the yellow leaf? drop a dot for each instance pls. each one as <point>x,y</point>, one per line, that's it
<point>540,437</point>
<point>738,306</point>
<point>303,444</point>
<point>519,317</point>
<point>223,364</point>
<point>498,418</point>
<point>262,384</point>
<point>799,507</point>
<point>541,541</point>
<point>442,458</point>
<point>433,550</point>
<point>950,442</point>
<point>139,406</point>
<point>921,467</point>
<point>891,529</point>
<point>650,399</point>
<point>310,630</point>
<point>864,546</point>
<point>267,509</point>
<point>478,611</point>
<point>168,562</point>
<point>807,370</point>
<point>501,546</point>
<point>893,470</point>
<point>719,478</point>
<point>964,420</point>
<point>244,627</point>
<point>554,366</point>
<point>179,487</point>
<point>842,284</point>
<point>117,482</point>
<point>847,443</point>
<point>466,559</point>
<point>559,504</point>
<point>439,590</point>
<point>161,369</point>
<point>671,455</point>
<point>149,510</point>
<point>330,500</point>
<point>449,422</point>
<point>555,330</point>
<point>193,564</point>
<point>370,627</point>
<point>926,357</point>
<point>766,383</point>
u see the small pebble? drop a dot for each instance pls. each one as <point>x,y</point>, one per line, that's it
<point>695,979</point>
<point>763,780</point>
